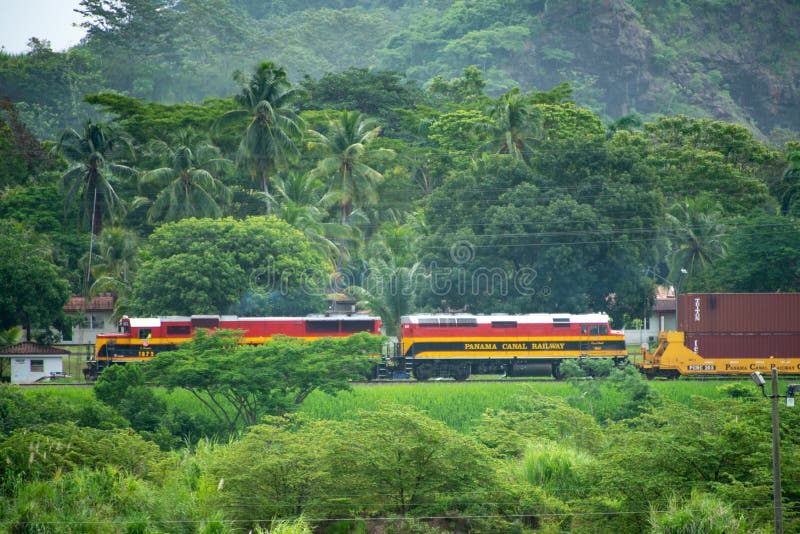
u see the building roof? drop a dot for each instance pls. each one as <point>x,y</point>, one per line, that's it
<point>341,297</point>
<point>30,348</point>
<point>665,299</point>
<point>103,302</point>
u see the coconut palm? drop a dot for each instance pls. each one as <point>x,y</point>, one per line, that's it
<point>388,288</point>
<point>513,128</point>
<point>697,234</point>
<point>346,144</point>
<point>188,187</point>
<point>92,170</point>
<point>117,254</point>
<point>301,200</point>
<point>114,266</point>
<point>268,141</point>
<point>627,123</point>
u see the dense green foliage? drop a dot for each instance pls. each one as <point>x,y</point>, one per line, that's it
<point>720,60</point>
<point>433,196</point>
<point>257,266</point>
<point>525,202</point>
<point>543,458</point>
<point>32,294</point>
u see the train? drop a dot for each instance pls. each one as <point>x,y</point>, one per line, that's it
<point>429,345</point>
<point>673,359</point>
<point>458,345</point>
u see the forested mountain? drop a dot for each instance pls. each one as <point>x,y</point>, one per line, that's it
<point>483,156</point>
<point>733,61</point>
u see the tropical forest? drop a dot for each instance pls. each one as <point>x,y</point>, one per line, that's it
<point>266,159</point>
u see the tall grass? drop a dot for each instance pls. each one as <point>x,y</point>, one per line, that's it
<point>554,467</point>
<point>461,404</point>
<point>699,513</point>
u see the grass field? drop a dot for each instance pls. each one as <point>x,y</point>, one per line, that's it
<point>457,404</point>
<point>460,405</point>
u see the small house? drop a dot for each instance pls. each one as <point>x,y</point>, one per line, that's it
<point>32,362</point>
<point>662,318</point>
<point>96,317</point>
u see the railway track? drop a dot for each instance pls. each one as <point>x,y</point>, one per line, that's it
<point>451,381</point>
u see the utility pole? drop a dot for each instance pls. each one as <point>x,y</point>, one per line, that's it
<point>776,456</point>
<point>776,439</point>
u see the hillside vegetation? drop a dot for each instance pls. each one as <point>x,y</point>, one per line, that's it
<point>716,59</point>
<point>466,192</point>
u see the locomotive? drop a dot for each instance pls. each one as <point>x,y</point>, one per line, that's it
<point>456,346</point>
<point>140,339</point>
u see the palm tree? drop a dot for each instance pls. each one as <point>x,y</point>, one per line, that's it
<point>114,266</point>
<point>300,200</point>
<point>118,254</point>
<point>189,189</point>
<point>788,189</point>
<point>697,235</point>
<point>388,289</point>
<point>268,141</point>
<point>628,123</point>
<point>513,128</point>
<point>346,144</point>
<point>92,171</point>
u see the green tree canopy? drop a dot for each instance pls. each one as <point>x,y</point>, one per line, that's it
<point>32,292</point>
<point>763,255</point>
<point>214,265</point>
<point>240,383</point>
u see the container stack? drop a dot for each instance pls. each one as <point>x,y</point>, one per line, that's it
<point>741,325</point>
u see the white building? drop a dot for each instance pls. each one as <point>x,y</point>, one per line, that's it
<point>96,314</point>
<point>30,362</point>
<point>662,318</point>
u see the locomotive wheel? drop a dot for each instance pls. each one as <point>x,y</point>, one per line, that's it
<point>556,371</point>
<point>423,372</point>
<point>461,373</point>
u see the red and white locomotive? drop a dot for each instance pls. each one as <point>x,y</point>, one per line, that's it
<point>447,345</point>
<point>140,339</point>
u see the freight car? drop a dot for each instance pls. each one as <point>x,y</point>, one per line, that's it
<point>140,339</point>
<point>729,334</point>
<point>672,358</point>
<point>456,346</point>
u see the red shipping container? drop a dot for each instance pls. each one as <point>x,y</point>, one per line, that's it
<point>744,345</point>
<point>725,313</point>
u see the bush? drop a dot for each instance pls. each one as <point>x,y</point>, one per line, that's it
<point>738,390</point>
<point>555,468</point>
<point>700,513</point>
<point>45,450</point>
<point>23,409</point>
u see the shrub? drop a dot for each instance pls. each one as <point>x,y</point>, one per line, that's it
<point>700,513</point>
<point>43,451</point>
<point>555,468</point>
